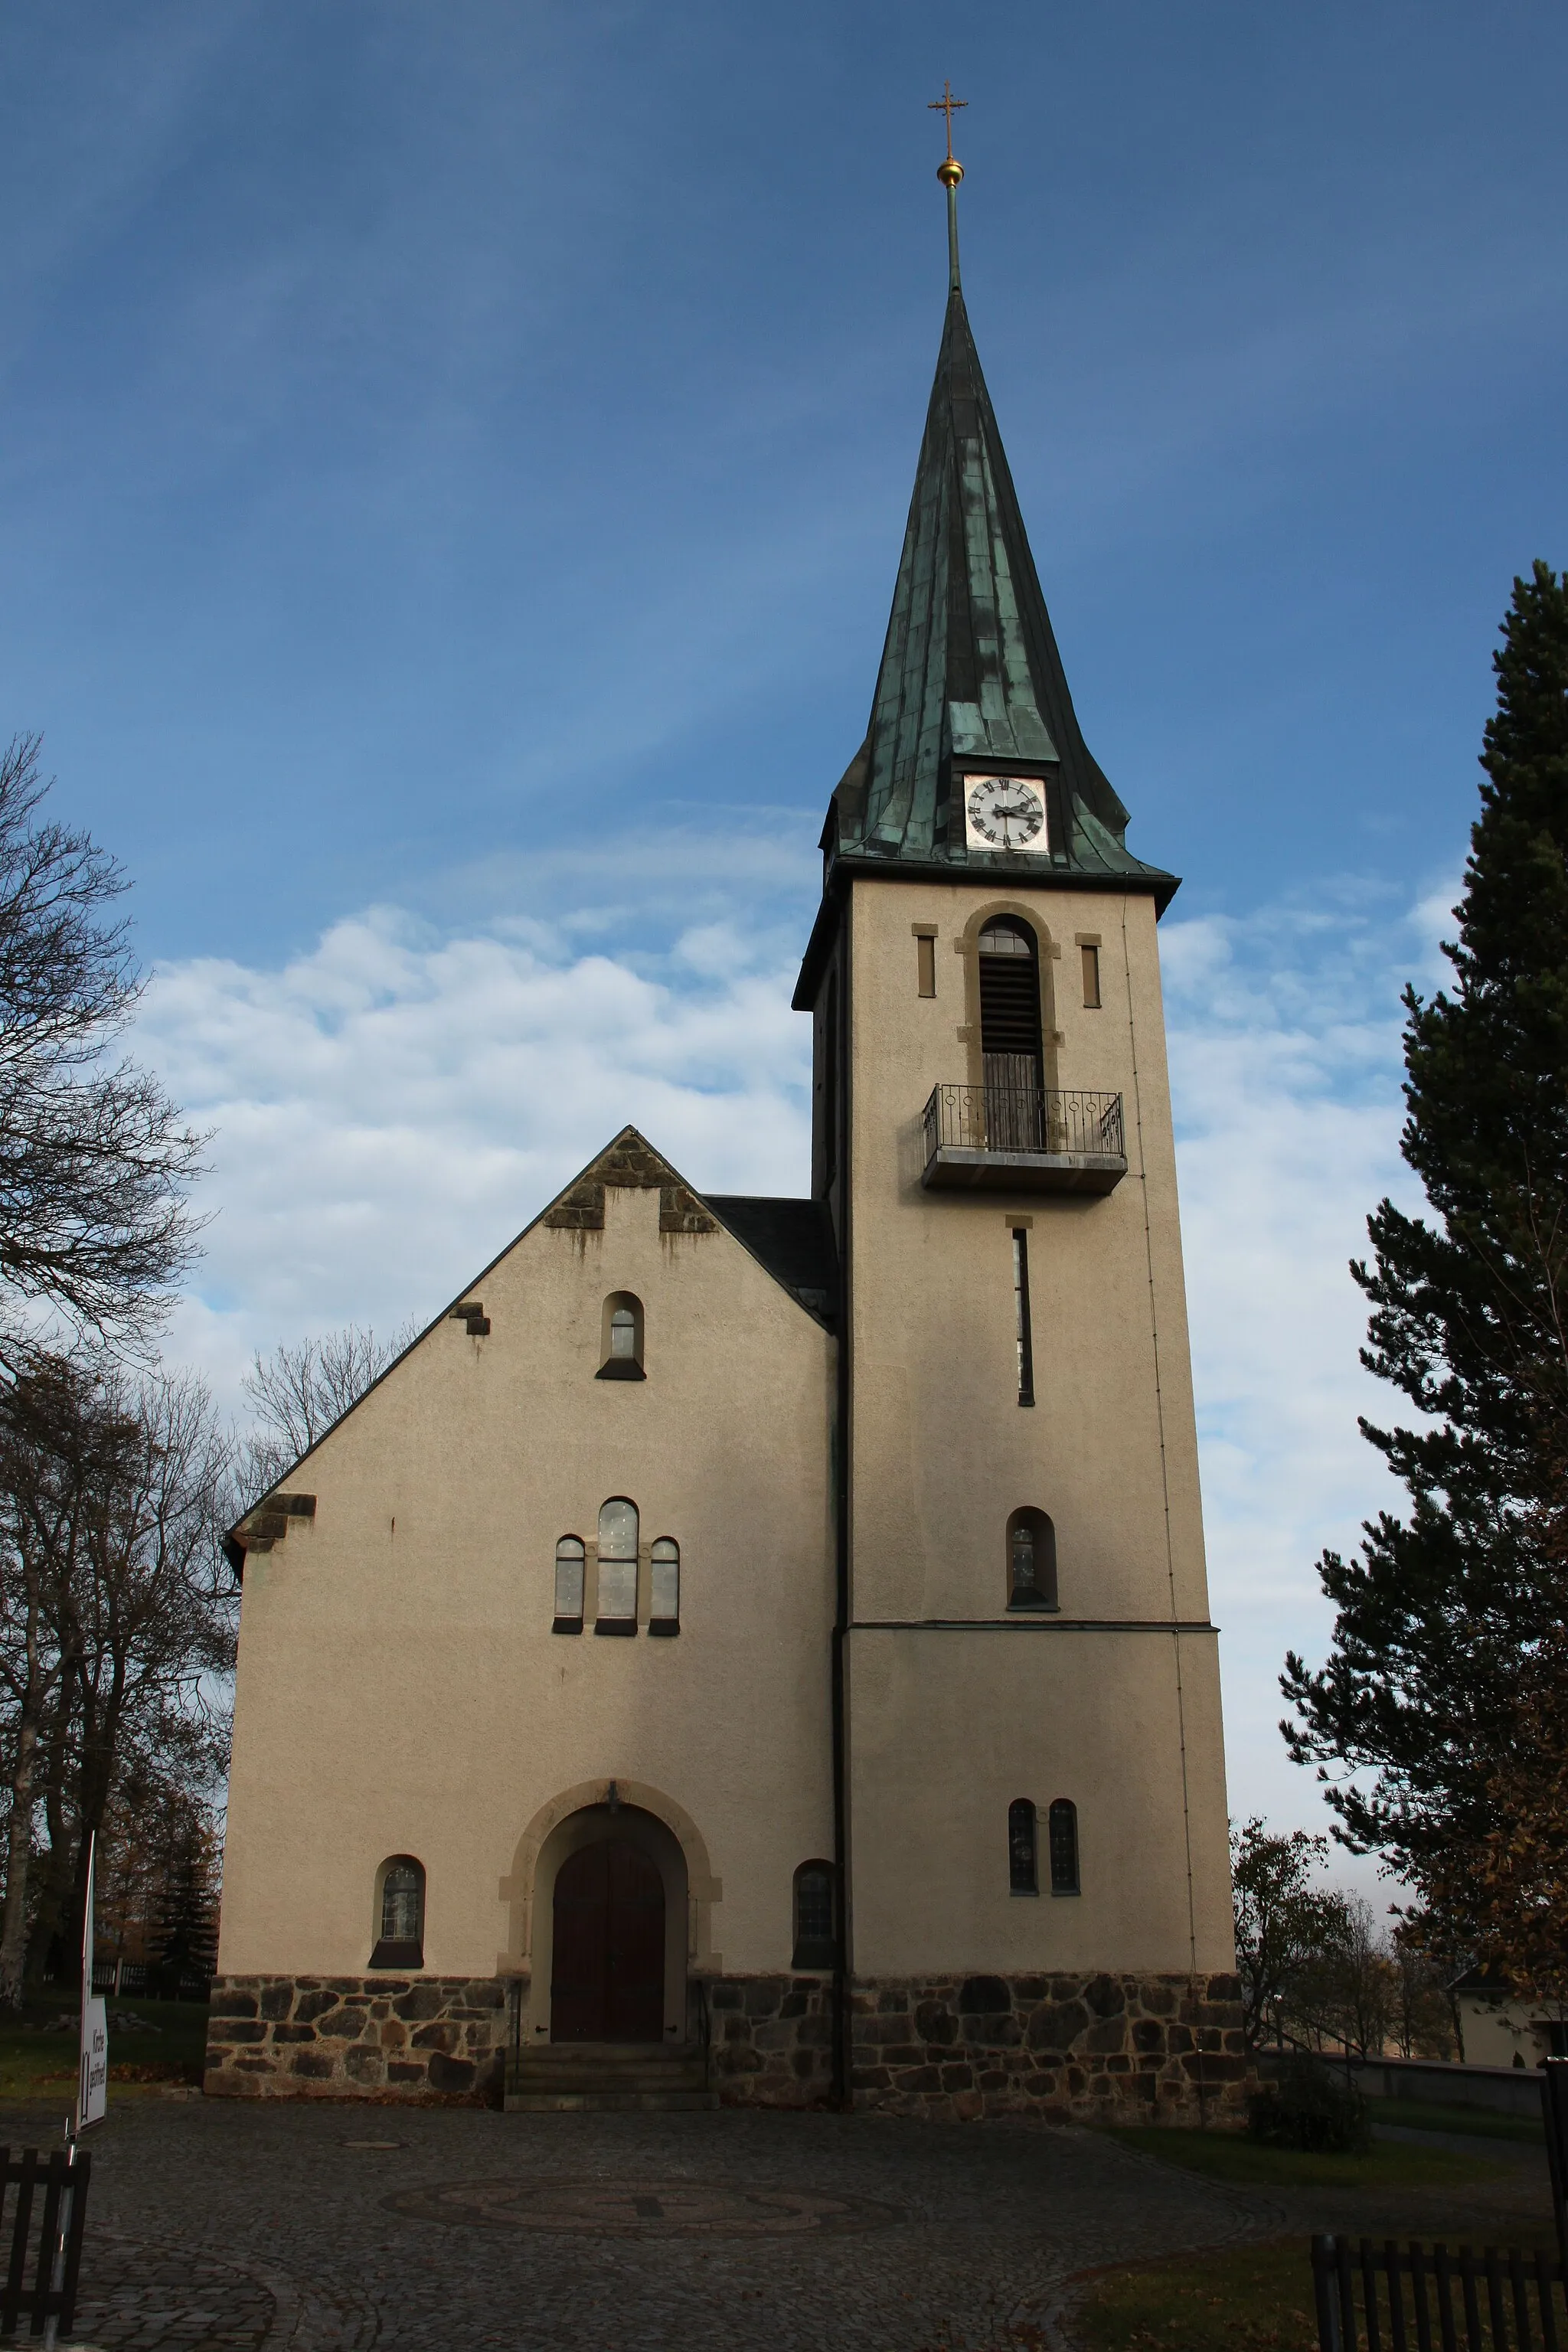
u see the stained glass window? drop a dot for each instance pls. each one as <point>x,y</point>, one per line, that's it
<point>1023,1865</point>
<point>1062,1830</point>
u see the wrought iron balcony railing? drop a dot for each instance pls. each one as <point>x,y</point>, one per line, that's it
<point>1035,1138</point>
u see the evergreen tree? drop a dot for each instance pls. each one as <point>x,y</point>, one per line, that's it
<point>1469,1321</point>
<point>188,1920</point>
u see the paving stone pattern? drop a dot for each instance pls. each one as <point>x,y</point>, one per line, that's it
<point>983,2228</point>
<point>141,2299</point>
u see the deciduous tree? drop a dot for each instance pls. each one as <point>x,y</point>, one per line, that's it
<point>94,1157</point>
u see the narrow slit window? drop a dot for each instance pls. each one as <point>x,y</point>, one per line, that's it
<point>664,1587</point>
<point>617,1605</point>
<point>814,1945</point>
<point>1090,976</point>
<point>1062,1830</point>
<point>1021,1314</point>
<point>570,1554</point>
<point>1022,1854</point>
<point>925,963</point>
<point>1031,1561</point>
<point>400,1943</point>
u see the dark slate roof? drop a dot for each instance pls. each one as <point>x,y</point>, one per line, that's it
<point>794,1239</point>
<point>969,670</point>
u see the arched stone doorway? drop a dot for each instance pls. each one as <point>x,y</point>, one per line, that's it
<point>610,1878</point>
<point>607,1962</point>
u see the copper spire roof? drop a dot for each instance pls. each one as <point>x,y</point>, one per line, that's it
<point>971,678</point>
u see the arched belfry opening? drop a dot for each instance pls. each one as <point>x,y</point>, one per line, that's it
<point>1011,1039</point>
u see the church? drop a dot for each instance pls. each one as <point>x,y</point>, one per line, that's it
<point>756,1650</point>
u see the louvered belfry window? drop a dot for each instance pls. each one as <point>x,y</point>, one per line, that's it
<point>1010,1040</point>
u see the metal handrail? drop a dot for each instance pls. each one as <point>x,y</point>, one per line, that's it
<point>1054,1121</point>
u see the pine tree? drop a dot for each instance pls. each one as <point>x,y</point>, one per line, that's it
<point>187,1919</point>
<point>1469,1321</point>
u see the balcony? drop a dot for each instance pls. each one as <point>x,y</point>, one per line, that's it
<point>1023,1139</point>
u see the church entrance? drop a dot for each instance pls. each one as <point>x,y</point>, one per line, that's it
<point>607,1969</point>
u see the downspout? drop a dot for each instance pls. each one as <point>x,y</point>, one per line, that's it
<point>842,2095</point>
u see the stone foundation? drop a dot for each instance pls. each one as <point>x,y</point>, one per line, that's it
<point>1125,2049</point>
<point>1085,2048</point>
<point>380,2037</point>
<point>772,2041</point>
<point>1114,2048</point>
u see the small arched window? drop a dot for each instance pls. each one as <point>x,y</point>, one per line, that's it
<point>570,1554</point>
<point>816,1944</point>
<point>400,1905</point>
<point>1031,1561</point>
<point>1023,1848</point>
<point>620,1339</point>
<point>1062,1833</point>
<point>618,1607</point>
<point>664,1587</point>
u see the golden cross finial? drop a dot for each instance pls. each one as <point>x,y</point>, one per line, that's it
<point>947,104</point>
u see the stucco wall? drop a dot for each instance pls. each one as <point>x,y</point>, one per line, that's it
<point>948,1727</point>
<point>400,1690</point>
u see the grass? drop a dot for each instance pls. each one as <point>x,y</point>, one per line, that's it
<point>40,2067</point>
<point>1480,2123</point>
<point>1231,2156</point>
<point>1253,2299</point>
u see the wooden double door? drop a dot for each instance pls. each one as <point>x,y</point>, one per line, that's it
<point>607,1981</point>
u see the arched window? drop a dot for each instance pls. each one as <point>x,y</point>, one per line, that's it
<point>1023,1848</point>
<point>815,1945</point>
<point>1031,1561</point>
<point>1010,1034</point>
<point>568,1558</point>
<point>617,1609</point>
<point>1062,1832</point>
<point>620,1339</point>
<point>400,1907</point>
<point>664,1587</point>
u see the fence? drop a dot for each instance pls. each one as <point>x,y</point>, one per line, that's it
<point>147,1980</point>
<point>51,2246</point>
<point>1436,2300</point>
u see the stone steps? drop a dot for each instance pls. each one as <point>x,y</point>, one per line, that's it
<point>605,2076</point>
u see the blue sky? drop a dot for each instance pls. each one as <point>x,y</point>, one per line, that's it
<point>454,462</point>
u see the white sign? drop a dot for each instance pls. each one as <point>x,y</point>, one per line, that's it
<point>92,2074</point>
<point>92,2088</point>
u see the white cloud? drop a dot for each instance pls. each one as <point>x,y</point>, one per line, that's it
<point>1285,1068</point>
<point>392,1105</point>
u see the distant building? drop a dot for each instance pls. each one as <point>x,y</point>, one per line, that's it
<point>1499,2029</point>
<point>899,1775</point>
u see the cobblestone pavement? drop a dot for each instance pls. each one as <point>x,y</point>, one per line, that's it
<point>292,2226</point>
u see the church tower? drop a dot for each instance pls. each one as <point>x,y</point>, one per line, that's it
<point>1030,1768</point>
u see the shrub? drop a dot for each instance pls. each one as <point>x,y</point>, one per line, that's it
<point>1311,2108</point>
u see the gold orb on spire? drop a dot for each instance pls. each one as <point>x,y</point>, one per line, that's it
<point>950,171</point>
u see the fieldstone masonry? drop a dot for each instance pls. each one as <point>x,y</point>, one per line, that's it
<point>1128,2048</point>
<point>356,2037</point>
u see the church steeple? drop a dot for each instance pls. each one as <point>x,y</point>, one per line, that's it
<point>971,678</point>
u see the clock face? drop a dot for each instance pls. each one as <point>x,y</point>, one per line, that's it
<point>1004,813</point>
